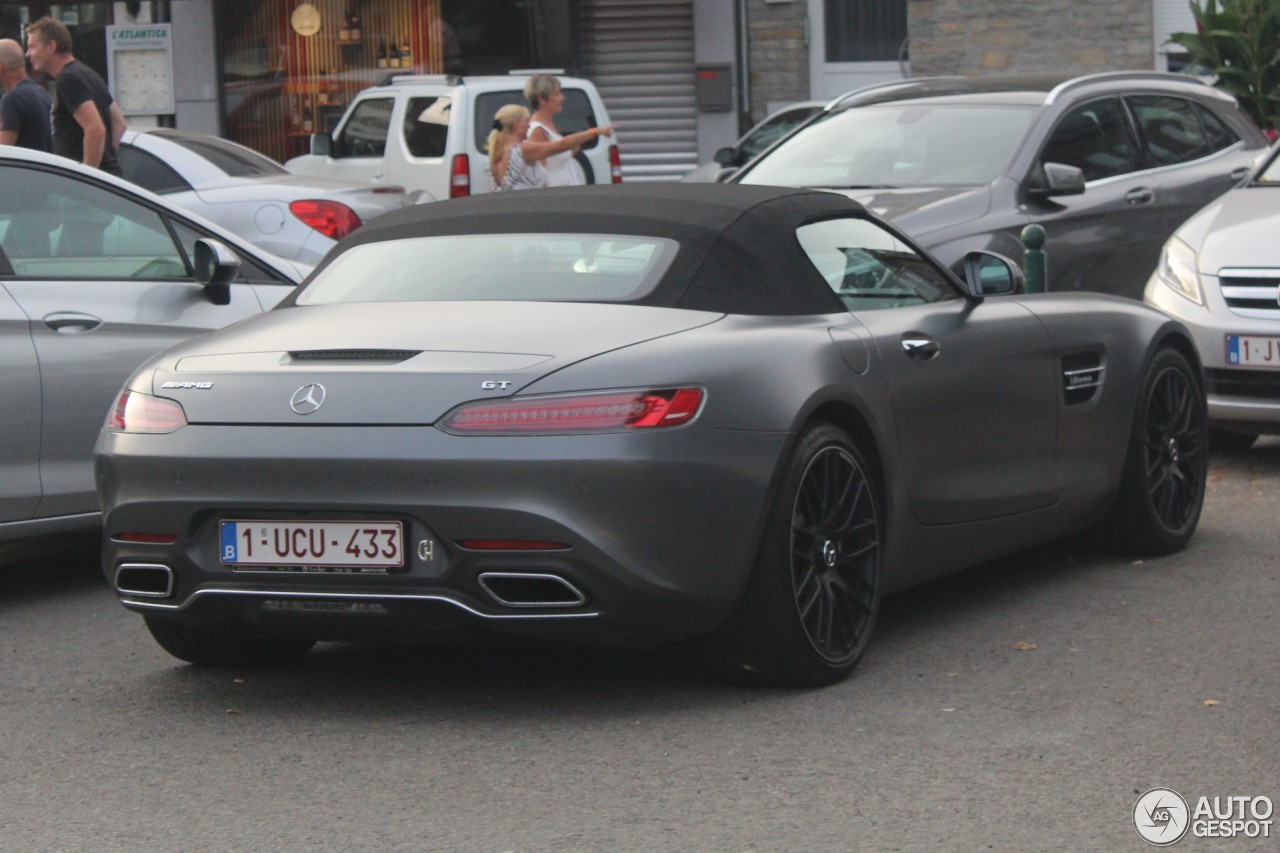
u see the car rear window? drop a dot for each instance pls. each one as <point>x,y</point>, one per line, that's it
<point>237,162</point>
<point>577,113</point>
<point>546,267</point>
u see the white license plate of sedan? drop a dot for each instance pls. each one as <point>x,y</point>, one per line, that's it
<point>1253,351</point>
<point>337,546</point>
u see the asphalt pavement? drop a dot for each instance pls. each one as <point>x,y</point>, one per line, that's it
<point>1020,706</point>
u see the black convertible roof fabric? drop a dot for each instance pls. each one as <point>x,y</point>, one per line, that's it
<point>738,249</point>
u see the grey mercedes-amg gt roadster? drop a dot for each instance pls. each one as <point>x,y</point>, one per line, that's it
<point>639,414</point>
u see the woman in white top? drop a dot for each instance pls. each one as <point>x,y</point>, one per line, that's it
<point>547,99</point>
<point>516,161</point>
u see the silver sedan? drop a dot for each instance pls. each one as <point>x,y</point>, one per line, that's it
<point>249,194</point>
<point>1219,275</point>
<point>95,276</point>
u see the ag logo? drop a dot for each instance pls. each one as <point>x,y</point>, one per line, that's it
<point>1161,817</point>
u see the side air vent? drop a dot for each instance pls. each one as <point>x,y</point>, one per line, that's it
<point>1082,374</point>
<point>382,356</point>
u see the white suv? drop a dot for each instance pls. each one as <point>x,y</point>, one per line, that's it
<point>427,133</point>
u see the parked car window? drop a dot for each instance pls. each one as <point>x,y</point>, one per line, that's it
<point>869,268</point>
<point>149,171</point>
<point>576,115</point>
<point>426,126</point>
<point>517,267</point>
<point>1216,131</point>
<point>365,133</point>
<point>234,160</point>
<point>250,270</point>
<point>1093,138</point>
<point>772,130</point>
<point>56,226</point>
<point>1170,129</point>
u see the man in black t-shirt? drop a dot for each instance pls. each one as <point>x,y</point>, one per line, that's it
<point>24,107</point>
<point>87,124</point>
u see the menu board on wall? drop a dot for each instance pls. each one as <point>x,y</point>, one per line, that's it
<point>140,68</point>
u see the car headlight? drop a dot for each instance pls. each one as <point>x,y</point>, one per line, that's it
<point>1177,269</point>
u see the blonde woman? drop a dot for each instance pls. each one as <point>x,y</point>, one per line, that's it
<point>515,160</point>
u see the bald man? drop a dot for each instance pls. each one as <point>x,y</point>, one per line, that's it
<point>24,107</point>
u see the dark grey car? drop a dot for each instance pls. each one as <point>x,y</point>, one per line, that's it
<point>1110,164</point>
<point>639,413</point>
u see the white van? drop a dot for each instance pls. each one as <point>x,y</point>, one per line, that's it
<point>427,133</point>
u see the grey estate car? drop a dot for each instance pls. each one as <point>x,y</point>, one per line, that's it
<point>1110,164</point>
<point>95,276</point>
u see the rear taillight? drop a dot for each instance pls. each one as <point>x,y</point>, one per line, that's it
<point>605,411</point>
<point>460,177</point>
<point>330,218</point>
<point>134,412</point>
<point>615,164</point>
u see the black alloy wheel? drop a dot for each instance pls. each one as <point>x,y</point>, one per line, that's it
<point>1175,449</point>
<point>835,554</point>
<point>1163,482</point>
<point>811,601</point>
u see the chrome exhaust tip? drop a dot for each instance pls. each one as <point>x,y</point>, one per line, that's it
<point>144,580</point>
<point>522,589</point>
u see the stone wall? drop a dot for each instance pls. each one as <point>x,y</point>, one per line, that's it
<point>777,55</point>
<point>1011,36</point>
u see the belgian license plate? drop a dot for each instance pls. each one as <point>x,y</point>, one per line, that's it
<point>1253,351</point>
<point>322,545</point>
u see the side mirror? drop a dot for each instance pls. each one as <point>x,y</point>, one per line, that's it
<point>322,144</point>
<point>216,267</point>
<point>989,274</point>
<point>726,157</point>
<point>1058,179</point>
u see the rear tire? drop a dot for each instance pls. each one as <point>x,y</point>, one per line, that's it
<point>1163,481</point>
<point>212,648</point>
<point>812,598</point>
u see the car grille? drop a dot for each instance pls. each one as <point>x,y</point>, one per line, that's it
<point>1251,292</point>
<point>1258,384</point>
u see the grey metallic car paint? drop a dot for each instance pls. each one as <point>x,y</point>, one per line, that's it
<point>979,449</point>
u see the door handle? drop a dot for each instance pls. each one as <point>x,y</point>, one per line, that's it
<point>71,323</point>
<point>1142,195</point>
<point>921,348</point>
<point>1238,174</point>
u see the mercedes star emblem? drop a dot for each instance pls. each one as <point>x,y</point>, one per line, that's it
<point>307,399</point>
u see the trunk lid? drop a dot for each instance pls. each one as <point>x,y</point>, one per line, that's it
<point>394,363</point>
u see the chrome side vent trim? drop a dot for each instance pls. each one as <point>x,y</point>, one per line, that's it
<point>1082,376</point>
<point>144,580</point>
<point>386,356</point>
<point>522,589</point>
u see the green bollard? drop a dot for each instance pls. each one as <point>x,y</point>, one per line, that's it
<point>1034,268</point>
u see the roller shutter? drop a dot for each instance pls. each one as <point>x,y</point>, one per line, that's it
<point>1169,17</point>
<point>639,53</point>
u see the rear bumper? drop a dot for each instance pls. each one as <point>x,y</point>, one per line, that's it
<point>659,530</point>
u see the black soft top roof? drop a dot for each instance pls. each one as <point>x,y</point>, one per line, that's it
<point>738,249</point>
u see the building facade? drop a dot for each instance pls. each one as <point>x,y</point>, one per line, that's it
<point>681,77</point>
